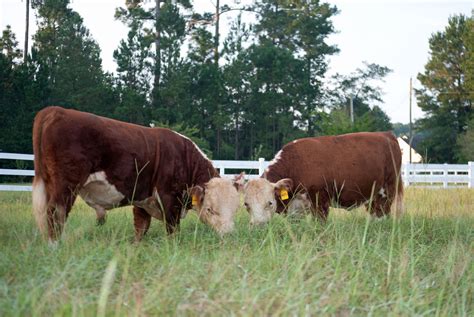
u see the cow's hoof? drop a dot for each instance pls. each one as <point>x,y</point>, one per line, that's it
<point>53,244</point>
<point>100,221</point>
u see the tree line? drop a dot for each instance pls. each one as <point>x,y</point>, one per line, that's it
<point>241,96</point>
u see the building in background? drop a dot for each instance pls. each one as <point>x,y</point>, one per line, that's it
<point>405,147</point>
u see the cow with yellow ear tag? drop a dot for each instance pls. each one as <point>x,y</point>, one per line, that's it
<point>216,203</point>
<point>308,175</point>
<point>263,198</point>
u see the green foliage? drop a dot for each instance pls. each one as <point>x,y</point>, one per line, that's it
<point>361,86</point>
<point>374,119</point>
<point>65,53</point>
<point>9,46</point>
<point>133,75</point>
<point>192,133</point>
<point>21,93</point>
<point>401,129</point>
<point>447,94</point>
<point>465,143</point>
<point>300,27</point>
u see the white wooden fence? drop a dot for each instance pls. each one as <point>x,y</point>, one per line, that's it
<point>423,175</point>
<point>16,172</point>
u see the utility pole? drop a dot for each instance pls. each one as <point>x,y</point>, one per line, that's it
<point>411,125</point>
<point>27,26</point>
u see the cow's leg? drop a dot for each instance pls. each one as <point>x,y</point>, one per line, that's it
<point>61,200</point>
<point>172,213</point>
<point>172,220</point>
<point>374,208</point>
<point>101,214</point>
<point>379,206</point>
<point>381,202</point>
<point>320,202</point>
<point>141,221</point>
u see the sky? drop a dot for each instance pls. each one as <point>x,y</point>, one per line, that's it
<point>392,33</point>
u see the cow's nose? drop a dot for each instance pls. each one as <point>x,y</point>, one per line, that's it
<point>226,228</point>
<point>254,222</point>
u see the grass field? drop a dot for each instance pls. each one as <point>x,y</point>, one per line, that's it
<point>421,264</point>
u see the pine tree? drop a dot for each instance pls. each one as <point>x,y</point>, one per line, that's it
<point>66,54</point>
<point>446,96</point>
<point>21,94</point>
<point>361,86</point>
<point>134,76</point>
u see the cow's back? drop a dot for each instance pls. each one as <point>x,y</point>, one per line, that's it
<point>345,166</point>
<point>71,146</point>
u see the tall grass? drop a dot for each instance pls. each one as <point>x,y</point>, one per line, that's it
<point>421,264</point>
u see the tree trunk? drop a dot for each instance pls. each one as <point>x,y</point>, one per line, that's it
<point>251,140</point>
<point>236,139</point>
<point>216,35</point>
<point>27,27</point>
<point>308,101</point>
<point>273,134</point>
<point>218,142</point>
<point>157,74</point>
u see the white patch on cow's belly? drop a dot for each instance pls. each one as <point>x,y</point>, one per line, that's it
<point>299,205</point>
<point>382,192</point>
<point>97,191</point>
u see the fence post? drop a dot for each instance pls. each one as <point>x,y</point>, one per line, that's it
<point>470,174</point>
<point>445,174</point>
<point>261,168</point>
<point>406,173</point>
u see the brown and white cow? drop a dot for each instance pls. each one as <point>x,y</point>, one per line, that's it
<point>314,173</point>
<point>111,163</point>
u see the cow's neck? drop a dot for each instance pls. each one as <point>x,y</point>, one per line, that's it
<point>273,174</point>
<point>203,172</point>
<point>202,168</point>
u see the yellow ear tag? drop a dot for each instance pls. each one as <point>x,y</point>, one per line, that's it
<point>284,194</point>
<point>194,200</point>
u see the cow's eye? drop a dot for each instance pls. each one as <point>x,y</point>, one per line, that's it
<point>246,205</point>
<point>270,203</point>
<point>212,211</point>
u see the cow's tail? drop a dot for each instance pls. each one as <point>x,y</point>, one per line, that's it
<point>396,158</point>
<point>399,208</point>
<point>39,195</point>
<point>40,204</point>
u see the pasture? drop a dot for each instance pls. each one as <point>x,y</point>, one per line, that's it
<point>421,264</point>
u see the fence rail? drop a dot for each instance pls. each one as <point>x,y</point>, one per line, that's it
<point>421,175</point>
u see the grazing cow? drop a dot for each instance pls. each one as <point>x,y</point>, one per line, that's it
<point>313,173</point>
<point>111,163</point>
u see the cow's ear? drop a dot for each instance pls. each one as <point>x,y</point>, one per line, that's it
<point>239,181</point>
<point>197,196</point>
<point>283,187</point>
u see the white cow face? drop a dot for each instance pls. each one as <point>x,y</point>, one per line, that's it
<point>299,205</point>
<point>261,198</point>
<point>216,203</point>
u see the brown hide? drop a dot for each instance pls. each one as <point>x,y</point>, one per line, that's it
<point>345,170</point>
<point>70,145</point>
